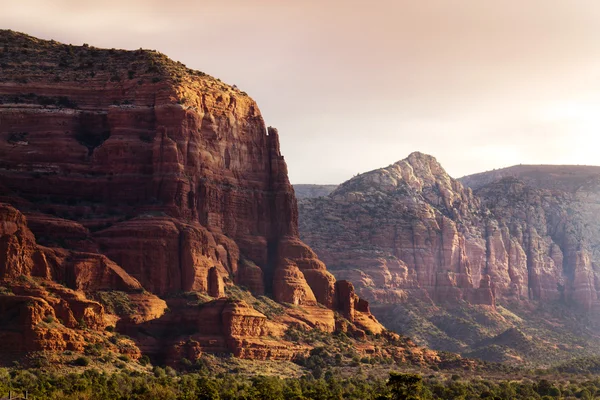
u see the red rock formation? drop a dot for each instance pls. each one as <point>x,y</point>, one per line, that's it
<point>427,251</point>
<point>199,154</point>
<point>21,256</point>
<point>404,227</point>
<point>346,299</point>
<point>137,172</point>
<point>215,283</point>
<point>251,276</point>
<point>553,210</point>
<point>313,270</point>
<point>289,286</point>
<point>18,250</point>
<point>557,237</point>
<point>22,329</point>
<point>410,228</point>
<point>219,326</point>
<point>50,316</point>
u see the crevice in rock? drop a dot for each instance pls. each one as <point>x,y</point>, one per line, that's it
<point>92,131</point>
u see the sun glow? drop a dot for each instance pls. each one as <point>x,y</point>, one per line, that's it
<point>581,122</point>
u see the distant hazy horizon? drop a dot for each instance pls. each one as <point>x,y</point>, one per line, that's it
<point>351,88</point>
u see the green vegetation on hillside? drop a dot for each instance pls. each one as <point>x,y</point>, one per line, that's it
<point>21,52</point>
<point>167,384</point>
<point>521,335</point>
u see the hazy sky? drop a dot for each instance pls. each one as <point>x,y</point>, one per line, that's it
<point>357,85</point>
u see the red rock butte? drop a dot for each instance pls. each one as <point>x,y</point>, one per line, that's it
<point>124,170</point>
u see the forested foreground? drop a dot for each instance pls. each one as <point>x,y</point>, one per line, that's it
<point>166,384</point>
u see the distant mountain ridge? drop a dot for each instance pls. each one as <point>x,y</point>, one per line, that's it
<point>563,177</point>
<point>516,239</point>
<point>307,191</point>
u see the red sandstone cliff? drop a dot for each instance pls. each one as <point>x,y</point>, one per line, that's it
<point>131,172</point>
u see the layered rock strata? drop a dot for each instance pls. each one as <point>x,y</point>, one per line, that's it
<point>138,174</point>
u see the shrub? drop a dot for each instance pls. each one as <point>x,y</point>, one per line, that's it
<point>405,386</point>
<point>115,302</point>
<point>5,291</point>
<point>145,360</point>
<point>81,361</point>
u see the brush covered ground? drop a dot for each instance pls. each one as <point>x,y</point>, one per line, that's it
<point>515,334</point>
<point>202,382</point>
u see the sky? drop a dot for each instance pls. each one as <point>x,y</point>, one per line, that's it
<point>357,85</point>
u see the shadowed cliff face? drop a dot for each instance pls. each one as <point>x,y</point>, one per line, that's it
<point>561,204</point>
<point>409,232</point>
<point>158,177</point>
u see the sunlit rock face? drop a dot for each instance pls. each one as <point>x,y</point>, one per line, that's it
<point>124,170</point>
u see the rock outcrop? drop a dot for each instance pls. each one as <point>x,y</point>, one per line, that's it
<point>38,314</point>
<point>139,174</point>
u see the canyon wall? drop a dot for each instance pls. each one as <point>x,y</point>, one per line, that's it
<point>124,170</point>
